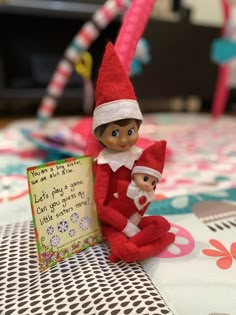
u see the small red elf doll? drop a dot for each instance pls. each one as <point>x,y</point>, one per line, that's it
<point>137,194</point>
<point>116,122</point>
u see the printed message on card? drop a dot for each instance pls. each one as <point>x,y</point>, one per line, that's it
<point>63,209</point>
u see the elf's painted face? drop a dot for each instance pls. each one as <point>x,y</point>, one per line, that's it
<point>119,138</point>
<point>144,181</point>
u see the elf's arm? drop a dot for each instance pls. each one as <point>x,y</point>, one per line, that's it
<point>106,213</point>
<point>122,186</point>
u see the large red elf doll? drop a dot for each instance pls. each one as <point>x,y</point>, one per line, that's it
<point>116,122</point>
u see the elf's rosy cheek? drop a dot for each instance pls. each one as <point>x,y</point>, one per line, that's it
<point>134,138</point>
<point>182,246</point>
<point>110,142</point>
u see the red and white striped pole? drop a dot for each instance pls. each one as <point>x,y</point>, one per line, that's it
<point>81,42</point>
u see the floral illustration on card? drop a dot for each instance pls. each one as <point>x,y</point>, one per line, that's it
<point>72,232</point>
<point>62,226</point>
<point>74,217</point>
<point>85,223</point>
<point>55,241</point>
<point>50,230</point>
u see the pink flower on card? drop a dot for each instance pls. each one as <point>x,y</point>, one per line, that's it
<point>226,260</point>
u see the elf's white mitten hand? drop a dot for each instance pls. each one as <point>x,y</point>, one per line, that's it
<point>131,229</point>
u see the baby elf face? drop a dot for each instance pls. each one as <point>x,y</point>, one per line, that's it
<point>120,138</point>
<point>144,181</point>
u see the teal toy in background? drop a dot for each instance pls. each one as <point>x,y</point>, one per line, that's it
<point>142,56</point>
<point>223,50</point>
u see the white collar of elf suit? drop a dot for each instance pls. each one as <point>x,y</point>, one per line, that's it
<point>141,197</point>
<point>119,159</point>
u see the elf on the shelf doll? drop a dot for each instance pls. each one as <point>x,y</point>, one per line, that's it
<point>116,121</point>
<point>137,194</point>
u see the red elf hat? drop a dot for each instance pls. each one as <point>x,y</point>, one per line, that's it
<point>115,96</point>
<point>152,160</point>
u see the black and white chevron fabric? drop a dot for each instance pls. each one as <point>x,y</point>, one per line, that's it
<point>86,283</point>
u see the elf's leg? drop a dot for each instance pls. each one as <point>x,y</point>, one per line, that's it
<point>151,249</point>
<point>118,243</point>
<point>122,248</point>
<point>130,252</point>
<point>152,228</point>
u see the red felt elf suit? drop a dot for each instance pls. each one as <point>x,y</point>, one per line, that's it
<point>116,100</point>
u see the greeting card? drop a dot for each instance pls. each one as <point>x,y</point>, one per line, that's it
<point>63,209</point>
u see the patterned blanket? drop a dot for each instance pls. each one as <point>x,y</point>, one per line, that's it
<point>197,194</point>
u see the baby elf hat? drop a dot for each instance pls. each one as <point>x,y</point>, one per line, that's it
<point>115,96</point>
<point>152,160</point>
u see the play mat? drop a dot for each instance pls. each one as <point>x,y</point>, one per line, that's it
<point>195,275</point>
